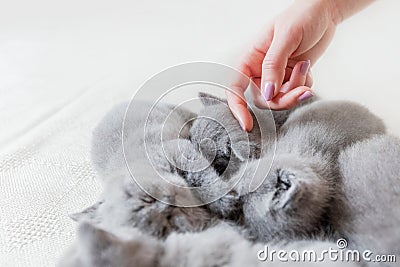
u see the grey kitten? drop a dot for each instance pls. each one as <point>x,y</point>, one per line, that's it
<point>218,135</point>
<point>151,194</point>
<point>151,206</point>
<point>371,184</point>
<point>222,141</point>
<point>301,194</point>
<point>304,171</point>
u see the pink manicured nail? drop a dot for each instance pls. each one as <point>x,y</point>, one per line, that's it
<point>305,95</point>
<point>268,91</point>
<point>304,67</point>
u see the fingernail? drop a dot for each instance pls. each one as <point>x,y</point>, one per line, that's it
<point>304,67</point>
<point>285,88</point>
<point>305,95</point>
<point>268,91</point>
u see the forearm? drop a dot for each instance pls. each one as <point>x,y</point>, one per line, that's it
<point>343,9</point>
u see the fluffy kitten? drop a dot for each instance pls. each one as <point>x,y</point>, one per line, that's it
<point>222,141</point>
<point>151,195</point>
<point>153,207</point>
<point>227,147</point>
<point>301,195</point>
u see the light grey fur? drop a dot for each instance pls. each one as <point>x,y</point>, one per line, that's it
<point>148,203</point>
<point>96,247</point>
<point>371,181</point>
<point>300,197</point>
<point>150,194</point>
<point>220,245</point>
<point>144,123</point>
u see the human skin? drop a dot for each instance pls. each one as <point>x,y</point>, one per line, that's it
<point>279,61</point>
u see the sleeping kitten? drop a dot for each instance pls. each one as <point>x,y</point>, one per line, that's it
<point>298,197</point>
<point>145,189</point>
<point>157,200</point>
<point>304,172</point>
<point>227,147</point>
<point>222,141</point>
<point>301,194</point>
<point>371,182</point>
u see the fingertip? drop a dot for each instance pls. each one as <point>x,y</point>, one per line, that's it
<point>248,123</point>
<point>243,116</point>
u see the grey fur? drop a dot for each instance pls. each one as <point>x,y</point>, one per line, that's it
<point>300,198</point>
<point>228,148</point>
<point>220,245</point>
<point>221,140</point>
<point>147,203</point>
<point>162,122</point>
<point>100,248</point>
<point>144,200</point>
<point>301,194</point>
<point>371,181</point>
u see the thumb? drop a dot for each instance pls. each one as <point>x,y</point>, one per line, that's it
<point>274,66</point>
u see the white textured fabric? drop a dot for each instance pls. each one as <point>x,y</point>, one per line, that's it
<point>47,177</point>
<point>64,64</point>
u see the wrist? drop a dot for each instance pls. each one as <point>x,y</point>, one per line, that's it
<point>342,9</point>
<point>332,9</point>
<point>335,10</point>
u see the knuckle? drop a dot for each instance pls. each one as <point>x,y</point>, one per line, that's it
<point>269,63</point>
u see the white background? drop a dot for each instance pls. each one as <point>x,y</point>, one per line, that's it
<point>52,50</point>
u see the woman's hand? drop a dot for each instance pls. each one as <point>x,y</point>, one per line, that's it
<point>279,61</point>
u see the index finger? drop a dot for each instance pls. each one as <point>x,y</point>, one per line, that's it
<point>236,100</point>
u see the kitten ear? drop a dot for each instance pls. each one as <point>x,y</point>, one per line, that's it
<point>91,234</point>
<point>241,150</point>
<point>286,189</point>
<point>94,241</point>
<point>89,214</point>
<point>209,100</point>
